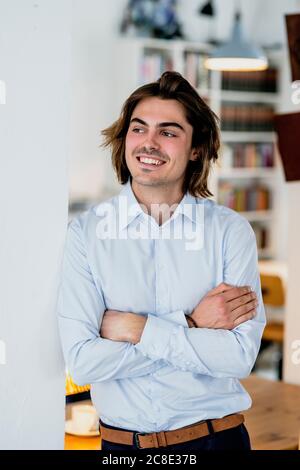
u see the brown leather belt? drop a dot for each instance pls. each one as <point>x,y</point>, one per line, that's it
<point>167,438</point>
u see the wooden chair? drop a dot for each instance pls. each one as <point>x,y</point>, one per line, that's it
<point>273,296</point>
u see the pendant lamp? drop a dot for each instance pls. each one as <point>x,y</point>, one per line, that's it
<point>207,9</point>
<point>237,54</point>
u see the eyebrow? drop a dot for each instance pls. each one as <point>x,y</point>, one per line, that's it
<point>161,124</point>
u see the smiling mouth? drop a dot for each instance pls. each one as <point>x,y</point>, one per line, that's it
<point>150,162</point>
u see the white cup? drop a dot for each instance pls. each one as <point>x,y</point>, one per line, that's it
<point>85,419</point>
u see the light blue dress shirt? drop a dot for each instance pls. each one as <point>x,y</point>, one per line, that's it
<point>175,375</point>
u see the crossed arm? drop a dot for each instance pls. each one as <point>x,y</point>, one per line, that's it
<point>131,345</point>
<point>224,307</point>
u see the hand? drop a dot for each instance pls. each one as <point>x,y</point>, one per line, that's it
<point>122,326</point>
<point>225,307</point>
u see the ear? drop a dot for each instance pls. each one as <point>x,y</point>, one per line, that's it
<point>194,154</point>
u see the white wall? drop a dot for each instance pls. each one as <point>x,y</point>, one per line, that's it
<point>34,142</point>
<point>95,25</point>
<point>262,20</point>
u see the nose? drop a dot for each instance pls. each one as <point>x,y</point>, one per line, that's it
<point>151,142</point>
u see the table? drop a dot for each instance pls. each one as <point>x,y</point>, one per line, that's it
<point>73,442</point>
<point>82,443</point>
<point>273,421</point>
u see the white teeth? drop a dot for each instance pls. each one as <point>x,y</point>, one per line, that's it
<point>150,161</point>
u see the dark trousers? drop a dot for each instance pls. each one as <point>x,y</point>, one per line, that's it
<point>232,439</point>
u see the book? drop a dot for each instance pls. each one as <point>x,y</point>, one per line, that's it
<point>293,32</point>
<point>287,127</point>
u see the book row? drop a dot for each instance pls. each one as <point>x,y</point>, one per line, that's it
<point>255,117</point>
<point>253,198</point>
<point>250,155</point>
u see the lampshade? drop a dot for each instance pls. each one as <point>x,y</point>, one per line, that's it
<point>207,9</point>
<point>237,54</point>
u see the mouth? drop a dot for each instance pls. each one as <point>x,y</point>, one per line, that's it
<point>150,162</point>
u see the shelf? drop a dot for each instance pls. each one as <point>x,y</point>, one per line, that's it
<point>237,136</point>
<point>205,94</point>
<point>265,253</point>
<point>244,96</point>
<point>257,216</point>
<point>227,173</point>
<point>174,45</point>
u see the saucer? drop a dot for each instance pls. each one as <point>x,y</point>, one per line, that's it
<point>71,429</point>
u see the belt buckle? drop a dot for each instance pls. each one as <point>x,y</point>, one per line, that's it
<point>136,440</point>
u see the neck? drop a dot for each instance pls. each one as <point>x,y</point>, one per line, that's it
<point>159,201</point>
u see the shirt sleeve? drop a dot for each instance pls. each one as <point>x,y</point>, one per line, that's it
<point>215,352</point>
<point>90,358</point>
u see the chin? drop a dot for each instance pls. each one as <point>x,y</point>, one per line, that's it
<point>143,180</point>
<point>146,181</point>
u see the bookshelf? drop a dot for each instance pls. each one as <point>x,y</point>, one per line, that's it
<point>248,168</point>
<point>247,177</point>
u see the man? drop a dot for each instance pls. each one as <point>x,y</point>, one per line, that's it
<point>160,307</point>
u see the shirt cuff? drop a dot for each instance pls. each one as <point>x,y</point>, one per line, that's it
<point>177,317</point>
<point>155,339</point>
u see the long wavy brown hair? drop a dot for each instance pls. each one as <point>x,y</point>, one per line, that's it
<point>205,138</point>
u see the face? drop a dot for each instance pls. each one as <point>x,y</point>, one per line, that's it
<point>158,143</point>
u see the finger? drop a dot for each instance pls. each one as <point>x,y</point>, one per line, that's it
<point>236,292</point>
<point>242,319</point>
<point>244,309</point>
<point>242,300</point>
<point>223,287</point>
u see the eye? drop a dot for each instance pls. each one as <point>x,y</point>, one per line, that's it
<point>137,130</point>
<point>169,134</point>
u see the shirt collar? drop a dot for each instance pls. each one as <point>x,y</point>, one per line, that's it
<point>186,207</point>
<point>133,207</point>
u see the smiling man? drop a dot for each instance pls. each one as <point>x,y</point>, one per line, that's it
<point>157,152</point>
<point>163,330</point>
